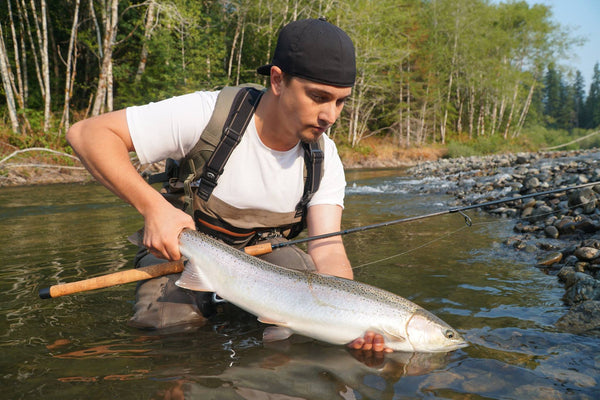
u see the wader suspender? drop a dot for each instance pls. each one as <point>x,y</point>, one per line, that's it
<point>244,106</point>
<point>313,160</point>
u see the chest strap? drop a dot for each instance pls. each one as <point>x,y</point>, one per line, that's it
<point>243,108</point>
<point>313,160</point>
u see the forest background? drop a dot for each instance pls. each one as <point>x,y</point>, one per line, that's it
<point>435,77</point>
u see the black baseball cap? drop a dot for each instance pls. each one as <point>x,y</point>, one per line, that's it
<point>316,50</point>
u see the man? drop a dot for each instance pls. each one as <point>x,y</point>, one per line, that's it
<point>311,77</point>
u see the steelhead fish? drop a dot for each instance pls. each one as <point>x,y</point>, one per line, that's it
<point>327,308</point>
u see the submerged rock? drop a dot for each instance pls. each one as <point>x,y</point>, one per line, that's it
<point>583,318</point>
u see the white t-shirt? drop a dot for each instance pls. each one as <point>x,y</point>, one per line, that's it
<point>255,176</point>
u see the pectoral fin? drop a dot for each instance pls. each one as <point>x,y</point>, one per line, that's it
<point>393,335</point>
<point>275,333</point>
<point>193,279</point>
<point>266,320</point>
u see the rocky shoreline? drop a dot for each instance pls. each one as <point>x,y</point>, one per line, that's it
<point>562,229</point>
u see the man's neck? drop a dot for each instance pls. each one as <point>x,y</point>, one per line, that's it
<point>270,127</point>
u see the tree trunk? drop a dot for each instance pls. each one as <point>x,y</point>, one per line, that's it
<point>6,82</point>
<point>494,116</point>
<point>481,119</point>
<point>18,91</point>
<point>44,74</point>
<point>408,110</point>
<point>239,60</point>
<point>401,113</point>
<point>25,90</point>
<point>45,66</point>
<point>525,111</point>
<point>422,129</point>
<point>471,110</point>
<point>71,69</point>
<point>105,77</point>
<point>460,103</point>
<point>355,113</point>
<point>96,26</point>
<point>512,110</point>
<point>109,88</point>
<point>148,27</point>
<point>236,35</point>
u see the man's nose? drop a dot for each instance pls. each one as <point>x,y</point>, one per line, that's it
<point>329,113</point>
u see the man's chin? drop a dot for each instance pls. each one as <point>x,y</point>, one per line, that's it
<point>311,137</point>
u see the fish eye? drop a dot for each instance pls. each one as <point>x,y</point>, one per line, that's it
<point>449,334</point>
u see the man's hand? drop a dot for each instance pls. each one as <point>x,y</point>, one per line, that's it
<point>103,144</point>
<point>371,342</point>
<point>162,228</point>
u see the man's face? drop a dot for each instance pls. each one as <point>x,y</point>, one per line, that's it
<point>310,108</point>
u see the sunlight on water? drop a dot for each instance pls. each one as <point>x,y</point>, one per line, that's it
<point>80,346</point>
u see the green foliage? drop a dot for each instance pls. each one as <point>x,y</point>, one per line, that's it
<point>488,145</point>
<point>345,147</point>
<point>592,104</point>
<point>542,138</point>
<point>457,150</point>
<point>463,68</point>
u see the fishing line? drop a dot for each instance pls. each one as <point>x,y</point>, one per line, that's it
<point>468,224</point>
<point>413,249</point>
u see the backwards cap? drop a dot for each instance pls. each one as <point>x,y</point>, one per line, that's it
<point>316,50</point>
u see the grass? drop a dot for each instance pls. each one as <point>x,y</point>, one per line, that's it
<point>381,151</point>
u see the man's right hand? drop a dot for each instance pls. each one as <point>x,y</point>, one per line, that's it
<point>162,228</point>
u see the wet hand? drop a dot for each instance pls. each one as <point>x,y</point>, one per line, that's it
<point>369,350</point>
<point>370,342</point>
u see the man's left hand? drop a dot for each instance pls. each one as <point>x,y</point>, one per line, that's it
<point>371,342</point>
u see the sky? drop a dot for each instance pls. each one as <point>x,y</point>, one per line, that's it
<point>582,17</point>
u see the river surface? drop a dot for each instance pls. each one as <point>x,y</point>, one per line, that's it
<point>80,346</point>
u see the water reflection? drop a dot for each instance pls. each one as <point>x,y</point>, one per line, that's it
<point>311,371</point>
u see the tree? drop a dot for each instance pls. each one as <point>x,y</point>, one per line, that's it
<point>70,70</point>
<point>8,82</point>
<point>592,104</point>
<point>104,94</point>
<point>579,99</point>
<point>552,97</point>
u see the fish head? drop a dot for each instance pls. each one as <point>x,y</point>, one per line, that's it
<point>428,333</point>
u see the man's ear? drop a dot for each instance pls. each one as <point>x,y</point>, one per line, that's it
<point>276,80</point>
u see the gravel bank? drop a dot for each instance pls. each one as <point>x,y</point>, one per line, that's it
<point>562,229</point>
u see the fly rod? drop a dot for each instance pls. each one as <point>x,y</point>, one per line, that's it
<point>166,268</point>
<point>267,247</point>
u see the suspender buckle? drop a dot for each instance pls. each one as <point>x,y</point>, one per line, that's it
<point>206,187</point>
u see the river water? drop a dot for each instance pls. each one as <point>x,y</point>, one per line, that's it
<point>80,347</point>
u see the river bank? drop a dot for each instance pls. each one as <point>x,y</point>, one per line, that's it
<point>561,229</point>
<point>39,166</point>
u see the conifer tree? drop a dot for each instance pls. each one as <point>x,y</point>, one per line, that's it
<point>592,104</point>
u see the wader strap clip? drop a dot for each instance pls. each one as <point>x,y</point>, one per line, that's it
<point>187,187</point>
